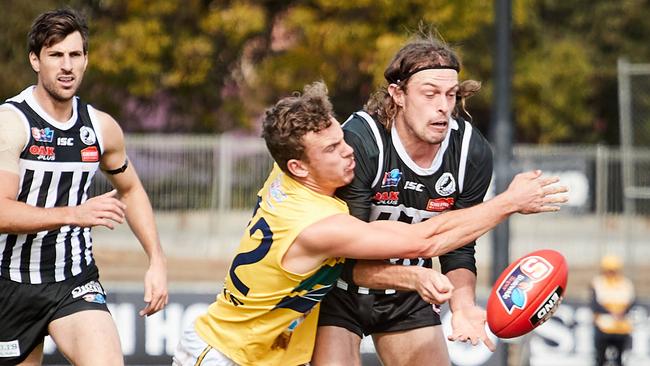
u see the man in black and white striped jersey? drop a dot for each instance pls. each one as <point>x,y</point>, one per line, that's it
<point>51,144</point>
<point>416,158</point>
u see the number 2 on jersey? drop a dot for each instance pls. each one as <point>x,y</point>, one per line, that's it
<point>254,255</point>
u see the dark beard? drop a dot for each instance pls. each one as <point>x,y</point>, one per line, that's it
<point>51,91</point>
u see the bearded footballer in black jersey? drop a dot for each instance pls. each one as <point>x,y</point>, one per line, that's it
<point>416,158</point>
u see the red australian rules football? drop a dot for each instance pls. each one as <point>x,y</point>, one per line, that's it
<point>527,293</point>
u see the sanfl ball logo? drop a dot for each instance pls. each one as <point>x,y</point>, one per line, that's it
<point>512,291</point>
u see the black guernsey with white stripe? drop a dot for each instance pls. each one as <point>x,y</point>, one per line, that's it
<point>388,185</point>
<point>57,166</point>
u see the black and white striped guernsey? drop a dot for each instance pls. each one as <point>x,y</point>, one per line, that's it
<point>389,185</point>
<point>57,165</point>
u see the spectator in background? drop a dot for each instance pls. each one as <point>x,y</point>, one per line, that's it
<point>612,298</point>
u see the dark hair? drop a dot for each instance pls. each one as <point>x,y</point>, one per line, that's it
<point>287,122</point>
<point>418,55</point>
<point>424,52</point>
<point>53,26</point>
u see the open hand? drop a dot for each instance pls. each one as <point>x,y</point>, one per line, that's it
<point>155,289</point>
<point>468,325</point>
<point>533,193</point>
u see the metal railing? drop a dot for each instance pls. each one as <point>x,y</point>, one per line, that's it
<point>224,172</point>
<point>194,172</point>
<point>214,180</point>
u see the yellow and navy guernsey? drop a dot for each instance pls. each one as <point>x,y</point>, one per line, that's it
<point>267,315</point>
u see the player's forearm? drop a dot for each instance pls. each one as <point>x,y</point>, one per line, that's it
<point>139,215</point>
<point>456,228</point>
<point>381,275</point>
<point>464,282</point>
<point>21,218</point>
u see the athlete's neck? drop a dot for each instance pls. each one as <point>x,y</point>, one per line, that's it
<point>421,152</point>
<point>61,111</point>
<point>314,186</point>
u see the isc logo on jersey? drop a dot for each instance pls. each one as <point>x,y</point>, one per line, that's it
<point>512,291</point>
<point>65,141</point>
<point>418,187</point>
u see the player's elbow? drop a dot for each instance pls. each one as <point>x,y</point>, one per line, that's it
<point>422,241</point>
<point>440,244</point>
<point>427,247</point>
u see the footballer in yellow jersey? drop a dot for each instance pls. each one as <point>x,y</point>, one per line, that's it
<point>266,315</point>
<point>291,252</point>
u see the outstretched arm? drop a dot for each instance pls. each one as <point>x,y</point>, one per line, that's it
<point>139,213</point>
<point>528,193</point>
<point>352,238</point>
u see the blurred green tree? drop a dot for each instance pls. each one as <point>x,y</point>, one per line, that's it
<point>214,65</point>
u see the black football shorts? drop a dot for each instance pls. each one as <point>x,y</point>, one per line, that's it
<point>372,313</point>
<point>26,310</point>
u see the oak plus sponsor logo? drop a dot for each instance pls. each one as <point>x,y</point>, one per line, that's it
<point>43,134</point>
<point>387,198</point>
<point>445,185</point>
<point>87,135</point>
<point>42,152</point>
<point>440,204</point>
<point>90,154</point>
